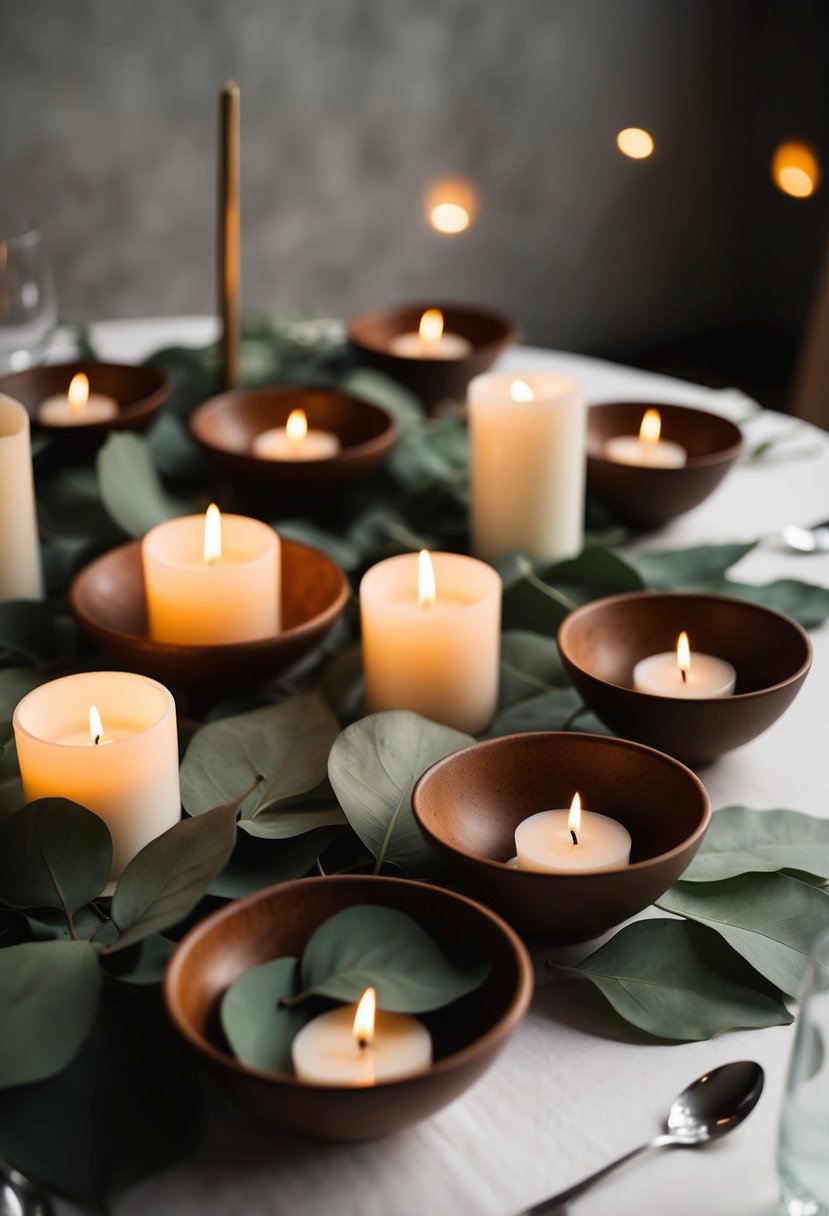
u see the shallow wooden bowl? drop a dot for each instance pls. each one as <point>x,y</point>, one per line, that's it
<point>107,598</point>
<point>601,643</point>
<point>469,805</point>
<point>467,1035</point>
<point>648,498</point>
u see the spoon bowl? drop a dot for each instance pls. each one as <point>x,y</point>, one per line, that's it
<point>807,540</point>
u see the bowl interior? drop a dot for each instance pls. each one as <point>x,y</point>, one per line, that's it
<point>138,390</point>
<point>481,327</point>
<point>706,437</point>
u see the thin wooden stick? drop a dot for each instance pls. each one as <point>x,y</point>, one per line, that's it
<point>228,243</point>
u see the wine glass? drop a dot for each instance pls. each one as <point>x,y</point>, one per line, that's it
<point>28,305</point>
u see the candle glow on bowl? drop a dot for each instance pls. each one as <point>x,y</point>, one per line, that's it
<point>648,449</point>
<point>430,341</point>
<point>679,674</point>
<point>568,842</point>
<point>294,441</point>
<point>77,407</point>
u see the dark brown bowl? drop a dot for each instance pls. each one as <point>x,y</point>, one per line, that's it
<point>469,805</point>
<point>467,1035</point>
<point>648,498</point>
<point>107,598</point>
<point>226,426</point>
<point>432,380</point>
<point>601,643</point>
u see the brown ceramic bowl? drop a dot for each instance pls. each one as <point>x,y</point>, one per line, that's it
<point>648,498</point>
<point>467,1035</point>
<point>226,426</point>
<point>600,644</point>
<point>432,380</point>
<point>107,598</point>
<point>469,805</point>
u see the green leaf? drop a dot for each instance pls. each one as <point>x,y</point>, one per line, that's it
<point>256,1024</point>
<point>683,569</point>
<point>258,863</point>
<point>537,597</point>
<point>69,504</point>
<point>53,854</point>
<point>561,709</point>
<point>169,876</point>
<point>343,683</point>
<point>373,767</point>
<point>679,980</point>
<point>770,919</point>
<point>130,488</point>
<point>806,603</point>
<point>294,820</point>
<point>48,998</point>
<point>380,390</point>
<point>740,839</point>
<point>287,744</point>
<point>143,963</point>
<point>530,663</point>
<point>28,631</point>
<point>305,532</point>
<point>368,944</point>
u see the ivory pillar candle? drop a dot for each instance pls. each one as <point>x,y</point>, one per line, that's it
<point>527,465</point>
<point>573,841</point>
<point>685,674</point>
<point>129,777</point>
<point>21,577</point>
<point>433,651</point>
<point>225,595</point>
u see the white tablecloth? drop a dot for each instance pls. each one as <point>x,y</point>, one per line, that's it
<point>563,1099</point>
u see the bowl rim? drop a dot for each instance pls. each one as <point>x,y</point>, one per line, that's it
<point>745,605</point>
<point>150,402</point>
<point>501,867</point>
<point>720,456</point>
<point>501,1029</point>
<point>382,312</point>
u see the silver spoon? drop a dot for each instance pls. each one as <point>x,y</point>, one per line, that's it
<point>807,540</point>
<point>19,1196</point>
<point>712,1106</point>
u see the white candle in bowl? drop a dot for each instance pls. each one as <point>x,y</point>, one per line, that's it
<point>432,645</point>
<point>683,674</point>
<point>574,841</point>
<point>212,580</point>
<point>122,764</point>
<point>527,465</point>
<point>77,406</point>
<point>21,577</point>
<point>430,341</point>
<point>356,1045</point>
<point>647,449</point>
<point>294,441</point>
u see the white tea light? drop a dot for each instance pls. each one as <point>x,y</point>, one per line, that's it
<point>295,441</point>
<point>430,341</point>
<point>683,674</point>
<point>647,449</point>
<point>78,406</point>
<point>571,842</point>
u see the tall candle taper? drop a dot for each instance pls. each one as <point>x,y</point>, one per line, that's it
<point>229,270</point>
<point>20,573</point>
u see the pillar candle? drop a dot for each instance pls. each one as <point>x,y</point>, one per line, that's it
<point>21,577</point>
<point>527,465</point>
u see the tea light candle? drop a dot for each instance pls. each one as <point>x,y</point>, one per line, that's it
<point>685,675</point>
<point>294,441</point>
<point>21,577</point>
<point>574,841</point>
<point>122,764</point>
<point>430,341</point>
<point>355,1045</point>
<point>431,637</point>
<point>212,580</point>
<point>647,449</point>
<point>78,407</point>
<point>527,465</point>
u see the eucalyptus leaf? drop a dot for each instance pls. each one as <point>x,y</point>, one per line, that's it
<point>53,854</point>
<point>69,504</point>
<point>380,390</point>
<point>741,840</point>
<point>48,998</point>
<point>687,569</point>
<point>806,603</point>
<point>770,919</point>
<point>130,487</point>
<point>679,980</point>
<point>143,963</point>
<point>530,663</point>
<point>343,683</point>
<point>373,767</point>
<point>369,945</point>
<point>258,863</point>
<point>560,709</point>
<point>258,1027</point>
<point>343,552</point>
<point>297,819</point>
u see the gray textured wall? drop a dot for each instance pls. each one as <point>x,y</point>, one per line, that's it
<point>350,107</point>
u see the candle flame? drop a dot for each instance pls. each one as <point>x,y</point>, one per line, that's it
<point>651,427</point>
<point>296,427</point>
<point>364,1018</point>
<point>683,653</point>
<point>426,590</point>
<point>449,218</point>
<point>431,325</point>
<point>78,394</point>
<point>519,390</point>
<point>635,142</point>
<point>795,169</point>
<point>574,818</point>
<point>451,205</point>
<point>212,534</point>
<point>96,726</point>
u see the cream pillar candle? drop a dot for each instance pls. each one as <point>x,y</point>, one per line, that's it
<point>569,842</point>
<point>433,650</point>
<point>681,673</point>
<point>527,465</point>
<point>294,441</point>
<point>430,341</point>
<point>21,577</point>
<point>647,449</point>
<point>77,407</point>
<point>129,777</point>
<point>202,592</point>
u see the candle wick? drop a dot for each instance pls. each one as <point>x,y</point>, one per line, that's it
<point>97,740</point>
<point>362,1043</point>
<point>575,837</point>
<point>684,675</point>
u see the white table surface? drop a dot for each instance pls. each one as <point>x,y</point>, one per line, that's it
<point>562,1100</point>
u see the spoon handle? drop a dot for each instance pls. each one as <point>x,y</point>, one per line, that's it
<point>555,1201</point>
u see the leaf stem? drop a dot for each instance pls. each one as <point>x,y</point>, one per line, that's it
<point>558,597</point>
<point>523,675</point>
<point>574,717</point>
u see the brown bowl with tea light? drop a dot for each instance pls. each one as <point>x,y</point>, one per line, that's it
<point>470,804</point>
<point>602,643</point>
<point>467,1035</point>
<point>291,440</point>
<point>434,349</point>
<point>647,495</point>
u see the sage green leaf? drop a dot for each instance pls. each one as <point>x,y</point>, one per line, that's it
<point>53,854</point>
<point>770,919</point>
<point>174,452</point>
<point>373,767</point>
<point>678,980</point>
<point>343,683</point>
<point>69,504</point>
<point>143,963</point>
<point>169,876</point>
<point>305,532</point>
<point>684,569</point>
<point>530,663</point>
<point>258,863</point>
<point>130,487</point>
<point>597,571</point>
<point>48,997</point>
<point>740,839</point>
<point>28,632</point>
<point>380,390</point>
<point>368,944</point>
<point>806,603</point>
<point>296,819</point>
<point>537,597</point>
<point>256,1024</point>
<point>560,709</point>
<point>287,744</point>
